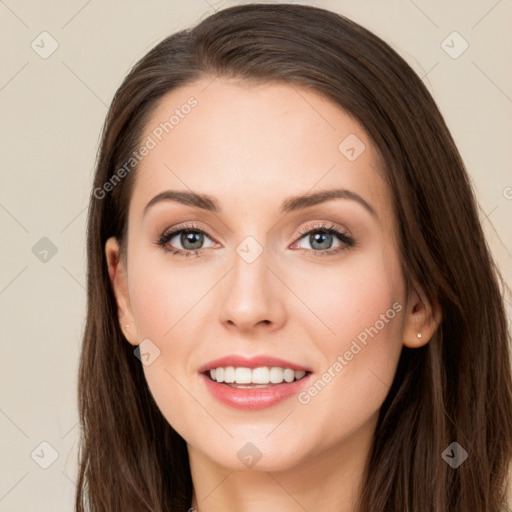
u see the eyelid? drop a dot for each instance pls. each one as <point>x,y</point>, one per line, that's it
<point>325,226</point>
<point>188,226</point>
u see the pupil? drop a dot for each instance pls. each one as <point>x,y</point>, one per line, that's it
<point>193,238</point>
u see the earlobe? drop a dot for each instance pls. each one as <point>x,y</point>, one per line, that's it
<point>423,318</point>
<point>118,279</point>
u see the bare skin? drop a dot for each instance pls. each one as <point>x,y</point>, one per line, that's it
<point>252,147</point>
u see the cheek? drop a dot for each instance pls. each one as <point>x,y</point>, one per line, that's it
<point>164,302</point>
<point>361,306</point>
<point>349,297</point>
<point>163,294</point>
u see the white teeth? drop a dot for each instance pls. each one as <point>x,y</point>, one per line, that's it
<point>276,375</point>
<point>288,375</point>
<point>261,375</point>
<point>243,375</point>
<point>229,374</point>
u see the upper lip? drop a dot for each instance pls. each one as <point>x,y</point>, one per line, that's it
<point>251,362</point>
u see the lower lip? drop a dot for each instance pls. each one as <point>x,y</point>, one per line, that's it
<point>254,398</point>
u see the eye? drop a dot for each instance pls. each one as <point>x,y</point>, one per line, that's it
<point>189,236</point>
<point>192,238</point>
<point>321,238</point>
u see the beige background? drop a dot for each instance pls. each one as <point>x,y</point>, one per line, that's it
<point>52,112</point>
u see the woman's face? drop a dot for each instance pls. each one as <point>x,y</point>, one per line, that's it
<point>268,281</point>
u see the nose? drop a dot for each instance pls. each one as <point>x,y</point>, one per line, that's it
<point>253,297</point>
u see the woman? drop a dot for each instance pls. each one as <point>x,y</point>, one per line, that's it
<point>291,302</point>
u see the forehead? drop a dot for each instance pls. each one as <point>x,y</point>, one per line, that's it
<point>255,144</point>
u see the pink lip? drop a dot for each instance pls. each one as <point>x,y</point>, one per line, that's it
<point>252,362</point>
<point>255,398</point>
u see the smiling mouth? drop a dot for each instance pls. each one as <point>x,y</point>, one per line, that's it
<point>253,378</point>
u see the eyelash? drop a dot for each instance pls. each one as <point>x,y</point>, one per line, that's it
<point>332,230</point>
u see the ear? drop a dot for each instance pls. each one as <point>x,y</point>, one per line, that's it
<point>118,279</point>
<point>422,318</point>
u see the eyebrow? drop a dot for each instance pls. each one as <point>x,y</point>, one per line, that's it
<point>291,204</point>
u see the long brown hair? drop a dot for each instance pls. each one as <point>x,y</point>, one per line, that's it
<point>456,388</point>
